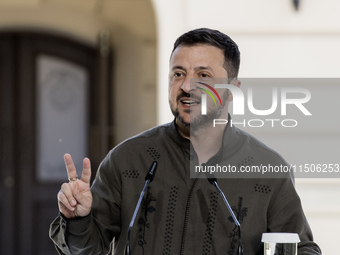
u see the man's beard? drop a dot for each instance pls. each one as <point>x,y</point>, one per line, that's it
<point>200,121</point>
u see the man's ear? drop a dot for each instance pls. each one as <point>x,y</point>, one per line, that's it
<point>236,83</point>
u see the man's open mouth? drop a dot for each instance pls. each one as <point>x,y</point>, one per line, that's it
<point>190,102</point>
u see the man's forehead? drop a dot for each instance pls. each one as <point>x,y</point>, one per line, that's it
<point>197,68</point>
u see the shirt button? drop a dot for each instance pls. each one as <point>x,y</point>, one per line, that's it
<point>191,156</point>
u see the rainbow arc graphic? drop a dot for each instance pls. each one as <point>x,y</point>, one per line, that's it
<point>204,97</point>
<point>209,93</point>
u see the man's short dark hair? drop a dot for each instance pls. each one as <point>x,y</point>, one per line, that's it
<point>217,39</point>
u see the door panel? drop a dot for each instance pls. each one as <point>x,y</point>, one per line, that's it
<point>62,119</point>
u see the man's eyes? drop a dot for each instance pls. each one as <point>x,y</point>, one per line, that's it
<point>204,75</point>
<point>178,74</point>
<point>200,75</point>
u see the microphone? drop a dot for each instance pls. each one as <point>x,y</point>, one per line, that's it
<point>152,171</point>
<point>148,178</point>
<point>213,181</point>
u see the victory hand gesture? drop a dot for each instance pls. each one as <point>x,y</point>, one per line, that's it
<point>75,197</point>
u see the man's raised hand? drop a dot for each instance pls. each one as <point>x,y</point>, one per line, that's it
<point>75,197</point>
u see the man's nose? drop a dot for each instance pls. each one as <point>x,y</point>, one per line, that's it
<point>186,85</point>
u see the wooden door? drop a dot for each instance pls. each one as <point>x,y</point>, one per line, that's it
<point>50,89</point>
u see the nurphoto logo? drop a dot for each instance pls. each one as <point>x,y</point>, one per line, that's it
<point>280,100</point>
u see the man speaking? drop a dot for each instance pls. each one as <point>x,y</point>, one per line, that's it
<point>180,214</point>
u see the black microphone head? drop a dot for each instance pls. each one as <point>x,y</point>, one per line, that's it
<point>152,171</point>
<point>211,178</point>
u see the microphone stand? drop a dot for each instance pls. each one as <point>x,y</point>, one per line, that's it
<point>148,178</point>
<point>213,181</point>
